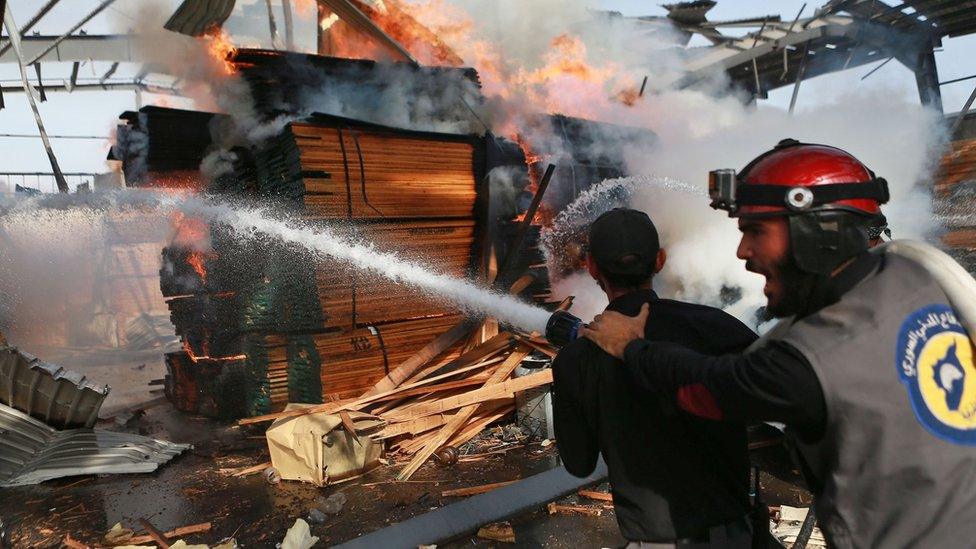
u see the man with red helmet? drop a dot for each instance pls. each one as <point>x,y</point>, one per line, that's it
<point>859,329</point>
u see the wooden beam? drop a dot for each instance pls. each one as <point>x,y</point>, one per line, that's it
<point>488,392</point>
<point>176,533</point>
<point>500,343</point>
<point>468,408</point>
<point>430,351</point>
<point>155,534</point>
<point>332,407</point>
<point>472,490</point>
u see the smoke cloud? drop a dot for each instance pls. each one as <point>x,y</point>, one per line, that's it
<point>589,75</point>
<point>898,140</point>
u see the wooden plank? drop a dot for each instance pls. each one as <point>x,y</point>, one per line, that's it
<point>488,392</point>
<point>473,490</point>
<point>155,534</point>
<point>176,533</point>
<point>421,358</point>
<point>495,345</point>
<point>332,407</point>
<point>599,496</point>
<point>464,414</point>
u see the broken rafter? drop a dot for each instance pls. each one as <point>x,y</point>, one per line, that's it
<point>421,358</point>
<point>77,26</point>
<point>30,24</point>
<point>346,11</point>
<point>14,34</point>
<point>526,222</point>
<point>504,389</point>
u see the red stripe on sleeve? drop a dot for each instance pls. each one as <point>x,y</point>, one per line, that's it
<point>697,399</point>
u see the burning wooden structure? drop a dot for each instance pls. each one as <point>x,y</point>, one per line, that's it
<point>264,324</point>
<point>266,321</point>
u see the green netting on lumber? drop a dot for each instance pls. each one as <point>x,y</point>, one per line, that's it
<point>257,393</point>
<point>304,371</point>
<point>258,308</point>
<point>295,298</point>
<point>277,169</point>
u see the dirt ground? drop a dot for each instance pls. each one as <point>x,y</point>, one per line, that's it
<point>196,486</point>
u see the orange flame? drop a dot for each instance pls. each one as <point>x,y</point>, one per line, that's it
<point>197,358</point>
<point>543,216</point>
<point>197,261</point>
<point>193,233</point>
<point>221,49</point>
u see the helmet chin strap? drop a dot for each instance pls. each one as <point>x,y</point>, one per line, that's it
<point>822,241</point>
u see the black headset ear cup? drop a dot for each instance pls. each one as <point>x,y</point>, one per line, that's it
<point>821,241</point>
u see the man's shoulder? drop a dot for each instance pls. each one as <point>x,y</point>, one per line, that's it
<point>699,312</point>
<point>700,326</point>
<point>575,352</point>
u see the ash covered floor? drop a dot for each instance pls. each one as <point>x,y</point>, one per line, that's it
<point>198,487</point>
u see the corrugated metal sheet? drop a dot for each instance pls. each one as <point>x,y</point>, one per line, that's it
<point>196,17</point>
<point>32,452</point>
<point>59,397</point>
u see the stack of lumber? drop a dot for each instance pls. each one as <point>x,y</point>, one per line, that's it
<point>955,191</point>
<point>205,386</point>
<point>340,364</point>
<point>429,404</point>
<point>312,330</point>
<point>292,82</point>
<point>339,168</point>
<point>162,147</point>
<point>349,297</point>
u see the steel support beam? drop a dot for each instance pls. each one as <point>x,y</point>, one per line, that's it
<point>289,25</point>
<point>30,24</point>
<point>77,26</point>
<point>108,86</point>
<point>14,34</point>
<point>927,78</point>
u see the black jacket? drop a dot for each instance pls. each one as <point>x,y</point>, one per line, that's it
<point>672,474</point>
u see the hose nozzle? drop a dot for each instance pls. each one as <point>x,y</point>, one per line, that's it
<point>562,328</point>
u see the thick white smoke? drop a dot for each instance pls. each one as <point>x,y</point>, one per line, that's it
<point>697,129</point>
<point>898,140</point>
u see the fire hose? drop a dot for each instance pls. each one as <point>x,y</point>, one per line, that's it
<point>958,285</point>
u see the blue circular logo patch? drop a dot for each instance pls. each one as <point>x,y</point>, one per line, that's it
<point>935,362</point>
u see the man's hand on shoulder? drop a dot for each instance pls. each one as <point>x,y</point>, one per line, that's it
<point>612,331</point>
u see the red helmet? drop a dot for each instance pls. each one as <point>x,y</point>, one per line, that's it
<point>796,178</point>
<point>832,200</point>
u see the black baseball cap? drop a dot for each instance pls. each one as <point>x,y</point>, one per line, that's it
<point>624,242</point>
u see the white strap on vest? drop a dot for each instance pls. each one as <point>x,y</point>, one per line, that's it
<point>958,285</point>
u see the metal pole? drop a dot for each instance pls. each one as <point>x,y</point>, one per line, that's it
<point>876,69</point>
<point>30,24</point>
<point>953,81</point>
<point>64,36</point>
<point>14,34</point>
<point>272,25</point>
<point>963,113</point>
<point>523,228</point>
<point>799,77</point>
<point>289,26</point>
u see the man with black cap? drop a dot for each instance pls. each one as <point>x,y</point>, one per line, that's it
<point>677,480</point>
